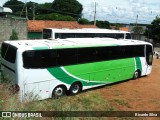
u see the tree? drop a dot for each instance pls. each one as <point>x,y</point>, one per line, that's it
<point>15,5</point>
<point>68,7</point>
<point>55,16</point>
<point>45,8</point>
<point>153,30</point>
<point>138,31</point>
<point>14,35</point>
<point>83,21</point>
<point>102,24</point>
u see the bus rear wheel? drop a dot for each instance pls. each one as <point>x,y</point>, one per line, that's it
<point>75,88</point>
<point>58,91</point>
<point>136,75</point>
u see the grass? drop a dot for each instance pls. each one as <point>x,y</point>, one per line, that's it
<point>122,102</point>
<point>85,101</point>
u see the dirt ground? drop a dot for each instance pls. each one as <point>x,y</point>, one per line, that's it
<point>142,94</point>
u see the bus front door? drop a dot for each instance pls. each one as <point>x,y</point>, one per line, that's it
<point>149,58</point>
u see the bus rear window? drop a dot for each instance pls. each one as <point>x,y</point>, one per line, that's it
<point>47,33</point>
<point>8,52</point>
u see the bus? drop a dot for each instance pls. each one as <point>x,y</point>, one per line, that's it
<point>44,69</point>
<point>51,33</point>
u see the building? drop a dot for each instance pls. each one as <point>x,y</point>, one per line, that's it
<point>35,27</point>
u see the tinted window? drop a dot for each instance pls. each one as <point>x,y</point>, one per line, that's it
<point>8,52</point>
<point>88,35</point>
<point>85,55</point>
<point>66,57</point>
<point>72,56</point>
<point>39,58</point>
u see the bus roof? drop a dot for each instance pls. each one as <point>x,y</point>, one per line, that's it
<point>72,43</point>
<point>87,30</point>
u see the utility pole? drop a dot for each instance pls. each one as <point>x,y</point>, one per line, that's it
<point>137,35</point>
<point>136,20</point>
<point>33,11</point>
<point>95,14</point>
<point>26,12</point>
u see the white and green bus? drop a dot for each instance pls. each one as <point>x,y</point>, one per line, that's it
<point>50,68</point>
<point>52,33</point>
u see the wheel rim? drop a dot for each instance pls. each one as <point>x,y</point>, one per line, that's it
<point>75,88</point>
<point>58,91</point>
<point>136,75</point>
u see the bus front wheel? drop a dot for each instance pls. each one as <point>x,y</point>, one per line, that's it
<point>58,91</point>
<point>75,88</point>
<point>136,75</point>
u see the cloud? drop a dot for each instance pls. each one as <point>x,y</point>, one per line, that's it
<point>123,11</point>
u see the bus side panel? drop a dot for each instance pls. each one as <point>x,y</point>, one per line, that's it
<point>144,66</point>
<point>37,91</point>
<point>114,71</point>
<point>8,75</point>
<point>8,72</point>
<point>39,84</point>
<point>102,72</point>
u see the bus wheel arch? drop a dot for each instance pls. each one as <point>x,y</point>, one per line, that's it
<point>75,88</point>
<point>59,91</point>
<point>137,74</point>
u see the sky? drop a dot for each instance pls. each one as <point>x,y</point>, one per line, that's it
<point>117,11</point>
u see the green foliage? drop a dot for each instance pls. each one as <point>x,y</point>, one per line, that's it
<point>102,24</point>
<point>14,35</point>
<point>138,30</point>
<point>69,7</point>
<point>45,8</point>
<point>15,5</point>
<point>83,21</point>
<point>117,25</point>
<point>55,16</point>
<point>153,30</point>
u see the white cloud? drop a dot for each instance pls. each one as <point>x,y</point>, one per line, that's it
<point>124,11</point>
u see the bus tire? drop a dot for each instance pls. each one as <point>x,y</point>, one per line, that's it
<point>136,74</point>
<point>75,88</point>
<point>59,91</point>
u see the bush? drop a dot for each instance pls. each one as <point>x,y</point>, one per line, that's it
<point>14,35</point>
<point>83,21</point>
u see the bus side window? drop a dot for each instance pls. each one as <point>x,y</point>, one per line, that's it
<point>66,57</point>
<point>85,55</point>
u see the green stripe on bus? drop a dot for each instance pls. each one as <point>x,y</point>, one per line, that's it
<point>40,48</point>
<point>104,71</point>
<point>95,73</point>
<point>138,63</point>
<point>59,74</point>
<point>82,46</point>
